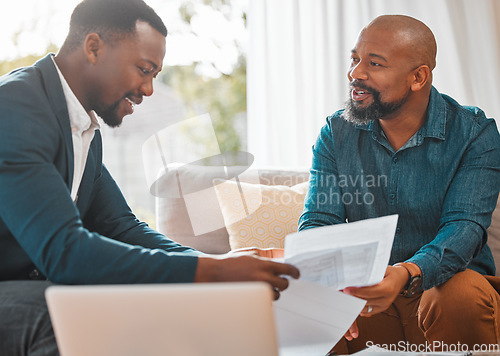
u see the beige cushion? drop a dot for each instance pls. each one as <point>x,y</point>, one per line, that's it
<point>187,209</point>
<point>494,237</point>
<point>257,215</point>
<point>174,221</point>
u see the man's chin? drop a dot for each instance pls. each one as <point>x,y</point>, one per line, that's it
<point>357,112</point>
<point>112,120</point>
<point>360,105</point>
<point>113,115</point>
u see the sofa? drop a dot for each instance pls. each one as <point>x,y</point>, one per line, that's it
<point>196,207</point>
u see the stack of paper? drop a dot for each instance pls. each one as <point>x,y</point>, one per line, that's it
<point>312,315</point>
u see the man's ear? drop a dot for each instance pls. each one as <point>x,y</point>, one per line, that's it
<point>92,45</point>
<point>421,76</point>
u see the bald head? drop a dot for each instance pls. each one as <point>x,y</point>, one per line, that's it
<point>411,35</point>
<point>391,70</point>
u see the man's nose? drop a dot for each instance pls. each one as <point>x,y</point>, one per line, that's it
<point>357,72</point>
<point>147,87</point>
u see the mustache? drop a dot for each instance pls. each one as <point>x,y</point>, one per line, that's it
<point>358,84</point>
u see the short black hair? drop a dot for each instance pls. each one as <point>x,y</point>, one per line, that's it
<point>113,20</point>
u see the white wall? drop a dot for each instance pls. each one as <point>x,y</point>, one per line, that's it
<point>299,52</point>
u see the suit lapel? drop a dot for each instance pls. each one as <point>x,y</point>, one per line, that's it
<point>57,100</point>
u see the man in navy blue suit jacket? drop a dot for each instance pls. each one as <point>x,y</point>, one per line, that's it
<point>62,217</point>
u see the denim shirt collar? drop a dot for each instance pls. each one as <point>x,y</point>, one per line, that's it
<point>435,123</point>
<point>434,126</point>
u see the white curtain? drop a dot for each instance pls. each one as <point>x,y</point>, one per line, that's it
<point>299,53</point>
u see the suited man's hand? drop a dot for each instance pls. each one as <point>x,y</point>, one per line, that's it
<point>244,269</point>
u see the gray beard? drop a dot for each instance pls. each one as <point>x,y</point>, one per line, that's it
<point>374,111</point>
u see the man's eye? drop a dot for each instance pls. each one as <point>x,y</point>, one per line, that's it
<point>375,64</point>
<point>355,60</point>
<point>144,71</point>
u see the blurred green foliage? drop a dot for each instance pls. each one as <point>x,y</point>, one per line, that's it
<point>224,96</point>
<point>7,66</point>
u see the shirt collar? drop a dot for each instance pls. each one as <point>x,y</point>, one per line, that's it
<point>80,120</point>
<point>435,122</point>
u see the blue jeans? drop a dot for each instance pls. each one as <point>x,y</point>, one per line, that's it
<point>25,327</point>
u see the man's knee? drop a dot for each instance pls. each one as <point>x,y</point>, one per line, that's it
<point>25,323</point>
<point>467,301</point>
<point>466,293</point>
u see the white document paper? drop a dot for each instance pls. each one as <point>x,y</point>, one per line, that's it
<point>311,314</point>
<point>343,255</point>
<point>311,318</point>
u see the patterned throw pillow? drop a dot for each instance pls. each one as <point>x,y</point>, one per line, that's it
<point>259,215</point>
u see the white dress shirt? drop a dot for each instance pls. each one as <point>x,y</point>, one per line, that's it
<point>83,126</point>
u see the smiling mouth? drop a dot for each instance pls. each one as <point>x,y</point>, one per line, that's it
<point>132,103</point>
<point>359,94</point>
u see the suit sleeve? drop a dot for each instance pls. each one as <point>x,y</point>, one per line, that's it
<point>36,207</point>
<point>109,215</point>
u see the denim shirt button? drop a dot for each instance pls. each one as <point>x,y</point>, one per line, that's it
<point>398,230</point>
<point>395,159</point>
<point>392,196</point>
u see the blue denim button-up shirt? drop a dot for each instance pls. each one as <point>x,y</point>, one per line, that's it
<point>443,183</point>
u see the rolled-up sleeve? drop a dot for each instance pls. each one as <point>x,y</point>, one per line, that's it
<point>466,213</point>
<point>322,204</point>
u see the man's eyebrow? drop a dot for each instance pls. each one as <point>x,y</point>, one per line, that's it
<point>155,66</point>
<point>378,56</point>
<point>353,51</point>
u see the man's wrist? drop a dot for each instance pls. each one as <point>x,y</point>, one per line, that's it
<point>206,270</point>
<point>403,272</point>
<point>414,283</point>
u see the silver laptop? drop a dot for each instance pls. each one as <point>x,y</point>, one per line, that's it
<point>169,319</point>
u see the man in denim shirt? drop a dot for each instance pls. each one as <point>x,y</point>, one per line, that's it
<point>401,147</point>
